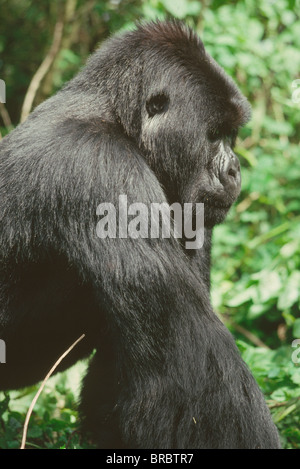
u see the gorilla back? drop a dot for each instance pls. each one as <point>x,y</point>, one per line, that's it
<point>151,116</point>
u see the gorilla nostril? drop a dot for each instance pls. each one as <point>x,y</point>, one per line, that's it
<point>232,172</point>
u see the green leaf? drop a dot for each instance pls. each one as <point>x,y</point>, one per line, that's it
<point>242,297</point>
<point>269,285</point>
<point>274,372</point>
<point>289,249</point>
<point>182,8</point>
<point>35,432</point>
<point>291,291</point>
<point>296,376</point>
<point>296,329</point>
<point>280,395</point>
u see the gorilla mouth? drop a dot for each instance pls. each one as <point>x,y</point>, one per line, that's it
<point>218,205</point>
<point>215,212</point>
<point>215,199</point>
<point>218,201</point>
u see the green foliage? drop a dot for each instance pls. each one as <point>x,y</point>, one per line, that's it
<point>54,422</point>
<point>256,254</point>
<point>279,379</point>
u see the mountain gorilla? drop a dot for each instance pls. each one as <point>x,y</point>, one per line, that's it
<point>153,117</point>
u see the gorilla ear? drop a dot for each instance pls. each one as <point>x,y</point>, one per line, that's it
<point>157,104</point>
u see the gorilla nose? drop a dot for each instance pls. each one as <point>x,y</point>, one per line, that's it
<point>230,175</point>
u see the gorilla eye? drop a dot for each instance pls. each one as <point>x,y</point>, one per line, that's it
<point>215,135</point>
<point>228,136</point>
<point>157,104</point>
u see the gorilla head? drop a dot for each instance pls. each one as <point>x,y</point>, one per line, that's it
<point>173,99</point>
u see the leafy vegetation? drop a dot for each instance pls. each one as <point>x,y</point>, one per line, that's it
<point>256,255</point>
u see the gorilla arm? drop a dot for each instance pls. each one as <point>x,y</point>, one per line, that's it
<point>175,363</point>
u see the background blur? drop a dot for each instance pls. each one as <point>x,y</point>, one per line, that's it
<point>256,254</point>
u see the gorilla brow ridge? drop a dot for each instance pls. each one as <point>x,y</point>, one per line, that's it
<point>183,47</point>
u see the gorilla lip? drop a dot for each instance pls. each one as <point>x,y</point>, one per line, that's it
<point>217,204</point>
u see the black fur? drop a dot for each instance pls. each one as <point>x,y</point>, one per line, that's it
<point>150,116</point>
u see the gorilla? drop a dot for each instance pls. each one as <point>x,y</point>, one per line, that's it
<point>153,117</point>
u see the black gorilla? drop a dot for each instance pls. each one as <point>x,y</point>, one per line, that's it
<point>154,117</point>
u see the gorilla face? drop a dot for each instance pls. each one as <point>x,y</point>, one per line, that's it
<point>196,159</point>
<point>198,152</point>
<point>219,182</point>
<point>188,119</point>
